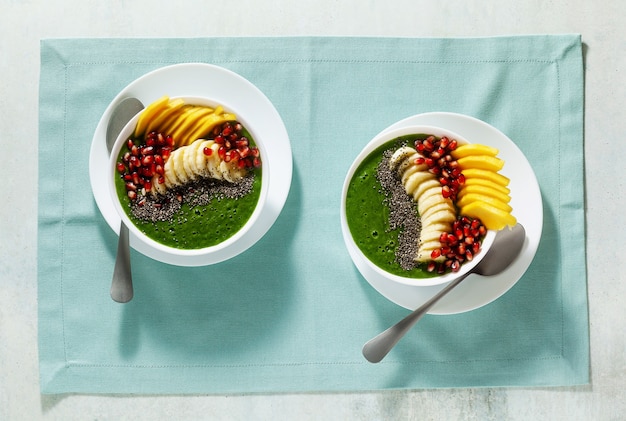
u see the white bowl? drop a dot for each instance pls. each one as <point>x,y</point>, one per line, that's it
<point>212,254</point>
<point>366,267</point>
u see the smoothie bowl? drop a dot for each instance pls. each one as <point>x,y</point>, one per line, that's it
<point>187,176</point>
<point>420,207</point>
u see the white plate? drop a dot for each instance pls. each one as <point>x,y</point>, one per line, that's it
<point>477,291</point>
<point>230,90</point>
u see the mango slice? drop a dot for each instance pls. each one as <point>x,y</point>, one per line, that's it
<point>473,181</point>
<point>486,175</point>
<point>484,191</point>
<point>149,113</point>
<point>492,217</point>
<point>473,149</point>
<point>484,162</point>
<point>474,197</point>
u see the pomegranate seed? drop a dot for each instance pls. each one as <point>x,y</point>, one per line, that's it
<point>161,180</point>
<point>147,160</point>
<point>159,170</point>
<point>131,187</point>
<point>147,185</point>
<point>134,161</point>
<point>121,168</point>
<point>244,152</point>
<point>132,195</point>
<point>207,151</point>
<point>431,266</point>
<point>435,253</point>
<point>219,140</point>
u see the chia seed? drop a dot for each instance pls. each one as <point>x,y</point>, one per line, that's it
<point>402,213</point>
<point>197,193</point>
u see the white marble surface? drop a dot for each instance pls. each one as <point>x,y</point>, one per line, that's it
<point>24,22</point>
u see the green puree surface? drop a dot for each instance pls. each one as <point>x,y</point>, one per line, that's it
<point>367,214</point>
<point>199,226</point>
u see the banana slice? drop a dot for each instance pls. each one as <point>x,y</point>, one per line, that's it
<point>399,156</point>
<point>422,187</point>
<point>416,179</point>
<point>436,208</point>
<point>189,163</point>
<point>158,188</point>
<point>170,175</point>
<point>179,165</point>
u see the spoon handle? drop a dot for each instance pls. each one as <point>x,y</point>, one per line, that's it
<point>376,348</point>
<point>122,284</point>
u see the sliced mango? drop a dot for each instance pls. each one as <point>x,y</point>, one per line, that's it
<point>484,162</point>
<point>484,191</point>
<point>171,108</point>
<point>475,197</point>
<point>152,110</point>
<point>473,149</point>
<point>487,175</point>
<point>492,217</point>
<point>190,120</point>
<point>485,182</point>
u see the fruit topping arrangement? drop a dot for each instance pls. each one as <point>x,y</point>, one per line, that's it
<point>459,193</point>
<point>175,143</point>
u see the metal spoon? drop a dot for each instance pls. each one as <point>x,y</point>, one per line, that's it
<point>505,248</point>
<point>122,283</point>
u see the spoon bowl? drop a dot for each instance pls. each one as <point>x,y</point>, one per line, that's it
<point>506,246</point>
<point>122,283</point>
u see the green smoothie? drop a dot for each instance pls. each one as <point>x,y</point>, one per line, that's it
<point>367,214</point>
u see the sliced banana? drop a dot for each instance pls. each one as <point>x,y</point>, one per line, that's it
<point>178,156</point>
<point>437,213</point>
<point>189,163</point>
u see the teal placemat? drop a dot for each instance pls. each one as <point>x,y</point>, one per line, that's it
<point>292,313</point>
